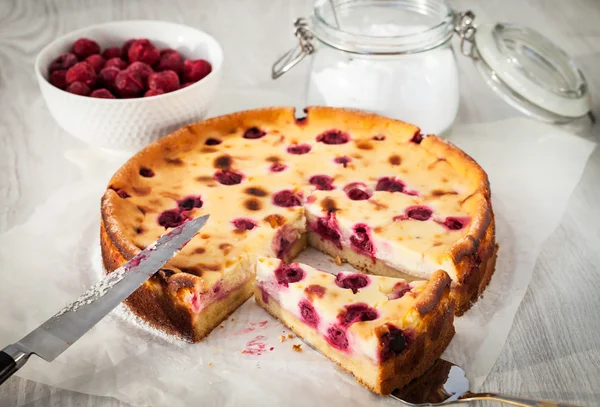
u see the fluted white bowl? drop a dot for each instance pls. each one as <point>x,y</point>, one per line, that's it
<point>130,124</point>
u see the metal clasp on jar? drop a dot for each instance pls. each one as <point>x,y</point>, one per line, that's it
<point>466,31</point>
<point>296,54</point>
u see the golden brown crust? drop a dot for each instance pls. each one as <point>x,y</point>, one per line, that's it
<point>430,297</point>
<point>150,302</point>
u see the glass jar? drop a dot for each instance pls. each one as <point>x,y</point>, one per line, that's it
<point>395,58</point>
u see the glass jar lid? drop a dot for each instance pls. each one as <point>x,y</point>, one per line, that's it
<point>530,73</point>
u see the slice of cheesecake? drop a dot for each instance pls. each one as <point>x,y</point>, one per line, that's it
<point>385,331</point>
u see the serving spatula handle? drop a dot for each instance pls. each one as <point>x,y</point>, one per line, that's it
<point>11,359</point>
<point>516,401</point>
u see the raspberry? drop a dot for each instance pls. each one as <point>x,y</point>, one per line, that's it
<point>113,52</point>
<point>327,228</point>
<point>64,61</point>
<point>58,78</point>
<point>85,47</point>
<point>278,167</point>
<point>96,61</point>
<point>123,194</point>
<point>141,68</point>
<point>171,218</point>
<point>299,149</point>
<point>417,138</point>
<point>333,137</point>
<point>81,72</point>
<point>213,141</point>
<point>129,84</point>
<point>190,202</point>
<point>244,224</point>
<point>195,70</point>
<point>79,88</point>
<point>336,337</point>
<point>143,51</point>
<point>419,213</point>
<point>390,185</point>
<point>360,240</point>
<point>102,94</point>
<point>146,172</point>
<point>288,273</point>
<point>106,77</point>
<point>253,133</point>
<point>309,314</point>
<point>453,223</point>
<point>125,48</point>
<point>116,62</point>
<point>400,288</point>
<point>166,81</point>
<point>153,92</point>
<point>344,160</point>
<point>286,199</point>
<point>355,313</point>
<point>322,182</point>
<point>392,343</point>
<point>227,177</point>
<point>357,191</point>
<point>351,281</point>
<point>170,60</point>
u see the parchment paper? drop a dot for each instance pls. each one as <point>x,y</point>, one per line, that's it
<point>54,256</point>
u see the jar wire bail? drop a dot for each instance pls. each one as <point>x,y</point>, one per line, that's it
<point>292,57</point>
<point>466,31</point>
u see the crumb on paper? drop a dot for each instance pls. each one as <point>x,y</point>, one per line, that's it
<point>338,260</point>
<point>297,347</point>
<point>222,326</point>
<point>209,363</point>
<point>290,336</point>
<point>232,319</point>
<point>281,338</point>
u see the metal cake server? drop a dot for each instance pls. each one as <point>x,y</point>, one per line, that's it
<point>445,383</point>
<point>54,336</point>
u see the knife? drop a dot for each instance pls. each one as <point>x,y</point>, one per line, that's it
<point>54,336</point>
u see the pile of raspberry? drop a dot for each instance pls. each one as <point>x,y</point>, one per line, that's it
<point>137,69</point>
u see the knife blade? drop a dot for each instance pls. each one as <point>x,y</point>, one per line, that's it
<point>55,335</point>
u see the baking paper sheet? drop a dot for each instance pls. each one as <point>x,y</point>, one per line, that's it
<point>54,256</point>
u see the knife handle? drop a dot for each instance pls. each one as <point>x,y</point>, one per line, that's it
<point>7,366</point>
<point>12,358</point>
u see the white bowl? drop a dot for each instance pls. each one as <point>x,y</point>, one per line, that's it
<point>130,124</point>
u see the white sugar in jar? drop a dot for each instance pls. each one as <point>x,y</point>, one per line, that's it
<point>420,88</point>
<point>390,57</point>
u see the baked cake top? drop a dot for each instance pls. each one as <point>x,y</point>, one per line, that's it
<point>377,183</point>
<point>354,312</point>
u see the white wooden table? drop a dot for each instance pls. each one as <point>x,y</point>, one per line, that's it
<point>553,350</point>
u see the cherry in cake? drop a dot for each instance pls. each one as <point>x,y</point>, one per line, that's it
<point>383,334</point>
<point>369,190</point>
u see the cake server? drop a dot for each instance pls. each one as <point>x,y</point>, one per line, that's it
<point>444,383</point>
<point>54,336</point>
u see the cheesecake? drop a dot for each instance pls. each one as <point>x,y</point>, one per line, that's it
<point>371,191</point>
<point>385,331</point>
